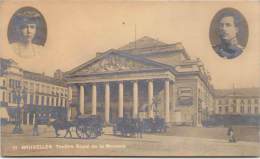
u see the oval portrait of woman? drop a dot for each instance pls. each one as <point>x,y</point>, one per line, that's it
<point>228,33</point>
<point>27,32</point>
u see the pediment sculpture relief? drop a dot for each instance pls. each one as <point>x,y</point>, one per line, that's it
<point>115,63</point>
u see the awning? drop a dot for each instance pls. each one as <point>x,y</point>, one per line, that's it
<point>4,113</point>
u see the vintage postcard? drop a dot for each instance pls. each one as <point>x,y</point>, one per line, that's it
<point>129,78</point>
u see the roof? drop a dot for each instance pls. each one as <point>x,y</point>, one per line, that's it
<point>42,78</point>
<point>4,64</point>
<point>143,42</point>
<point>245,92</point>
<point>149,46</point>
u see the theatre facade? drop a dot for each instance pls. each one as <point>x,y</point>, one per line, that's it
<point>145,78</point>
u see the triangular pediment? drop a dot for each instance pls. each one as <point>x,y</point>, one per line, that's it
<point>115,62</point>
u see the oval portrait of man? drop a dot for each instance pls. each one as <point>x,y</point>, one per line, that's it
<point>27,32</point>
<point>228,33</point>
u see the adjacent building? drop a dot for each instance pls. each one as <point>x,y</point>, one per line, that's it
<point>41,95</point>
<point>242,101</point>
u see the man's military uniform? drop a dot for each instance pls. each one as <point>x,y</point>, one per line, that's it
<point>228,52</point>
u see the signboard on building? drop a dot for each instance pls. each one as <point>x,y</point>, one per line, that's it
<point>185,96</point>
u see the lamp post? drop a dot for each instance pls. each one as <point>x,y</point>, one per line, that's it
<point>19,94</point>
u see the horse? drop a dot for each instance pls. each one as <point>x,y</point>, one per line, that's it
<point>60,124</point>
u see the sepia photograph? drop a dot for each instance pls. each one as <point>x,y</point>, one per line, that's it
<point>231,29</point>
<point>27,32</point>
<point>129,78</point>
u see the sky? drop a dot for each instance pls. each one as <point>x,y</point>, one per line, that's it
<point>77,29</point>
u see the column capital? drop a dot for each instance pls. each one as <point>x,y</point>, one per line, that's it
<point>149,80</point>
<point>121,82</point>
<point>82,84</point>
<point>133,81</point>
<point>107,82</point>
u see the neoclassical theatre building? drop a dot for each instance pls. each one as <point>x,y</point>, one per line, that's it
<point>145,78</point>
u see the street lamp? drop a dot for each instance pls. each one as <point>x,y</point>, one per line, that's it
<point>19,94</point>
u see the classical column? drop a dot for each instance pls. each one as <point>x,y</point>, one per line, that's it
<point>39,100</point>
<point>45,100</point>
<point>167,100</point>
<point>70,93</point>
<point>34,117</point>
<point>135,99</point>
<point>50,101</point>
<point>34,99</point>
<point>82,95</point>
<point>94,99</point>
<point>69,113</point>
<point>59,99</point>
<point>174,96</point>
<point>121,100</point>
<point>54,101</point>
<point>28,118</point>
<point>107,102</point>
<point>150,98</point>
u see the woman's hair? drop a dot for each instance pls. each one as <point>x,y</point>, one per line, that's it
<point>22,17</point>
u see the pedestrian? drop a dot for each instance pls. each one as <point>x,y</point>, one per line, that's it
<point>140,127</point>
<point>231,135</point>
<point>35,128</point>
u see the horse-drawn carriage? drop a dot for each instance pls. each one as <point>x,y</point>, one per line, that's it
<point>153,125</point>
<point>130,126</point>
<point>86,126</point>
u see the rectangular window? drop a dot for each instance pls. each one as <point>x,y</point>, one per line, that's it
<point>3,96</point>
<point>234,109</point>
<point>226,109</point>
<point>249,101</point>
<point>42,100</point>
<point>256,110</point>
<point>52,101</point>
<point>48,100</point>
<point>26,85</point>
<point>226,102</point>
<point>37,87</point>
<point>242,109</point>
<point>19,84</point>
<point>31,99</point>
<point>14,99</point>
<point>4,83</point>
<point>37,100</point>
<point>219,102</point>
<point>31,87</point>
<point>220,109</point>
<point>43,89</point>
<point>10,98</point>
<point>256,101</point>
<point>234,101</point>
<point>10,83</point>
<point>249,109</point>
<point>61,102</point>
<point>57,101</point>
<point>48,90</point>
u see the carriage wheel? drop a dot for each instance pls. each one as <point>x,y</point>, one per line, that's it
<point>82,132</point>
